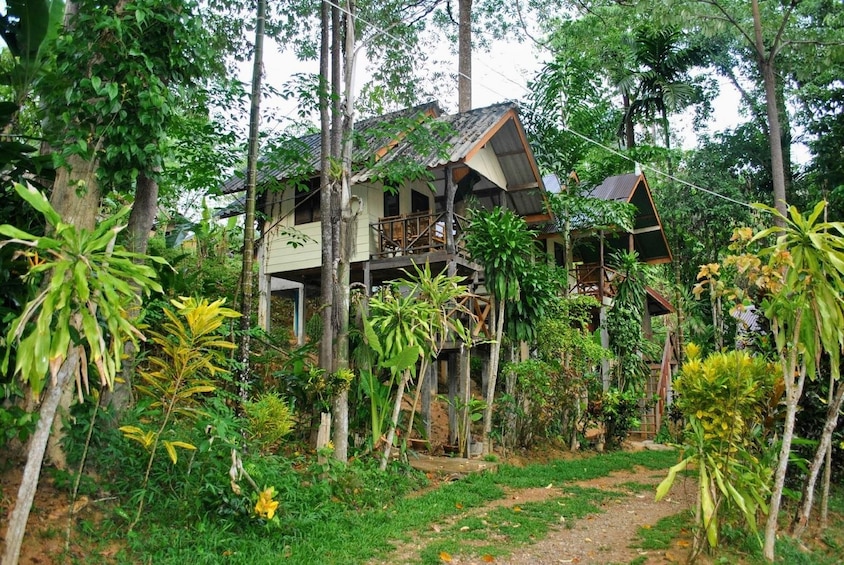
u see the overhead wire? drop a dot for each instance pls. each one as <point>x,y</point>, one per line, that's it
<point>584,137</point>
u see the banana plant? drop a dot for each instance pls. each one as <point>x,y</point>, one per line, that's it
<point>77,318</point>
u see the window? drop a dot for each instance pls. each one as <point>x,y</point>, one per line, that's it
<point>391,202</point>
<point>419,202</point>
<point>307,202</point>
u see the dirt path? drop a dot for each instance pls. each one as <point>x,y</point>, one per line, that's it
<point>606,537</point>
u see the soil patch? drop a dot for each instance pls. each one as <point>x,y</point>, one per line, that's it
<point>602,538</point>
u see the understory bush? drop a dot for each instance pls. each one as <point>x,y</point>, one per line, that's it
<point>619,413</point>
<point>548,403</point>
<point>270,419</point>
<point>725,400</point>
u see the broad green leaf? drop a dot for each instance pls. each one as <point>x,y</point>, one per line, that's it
<point>406,358</point>
<point>38,201</point>
<point>666,484</point>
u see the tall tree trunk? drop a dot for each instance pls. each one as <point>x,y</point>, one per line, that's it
<point>769,79</point>
<point>345,231</point>
<point>37,446</point>
<point>326,344</point>
<point>464,56</point>
<point>790,365</point>
<point>141,219</point>
<point>801,519</point>
<point>244,377</point>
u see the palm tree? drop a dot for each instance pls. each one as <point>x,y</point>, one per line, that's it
<point>659,81</point>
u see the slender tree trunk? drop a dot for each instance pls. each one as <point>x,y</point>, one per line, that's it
<point>464,56</point>
<point>343,230</point>
<point>801,520</point>
<point>494,356</point>
<point>629,130</point>
<point>37,446</point>
<point>244,377</point>
<point>793,391</point>
<point>326,292</point>
<point>769,79</point>
<point>391,432</point>
<point>827,479</point>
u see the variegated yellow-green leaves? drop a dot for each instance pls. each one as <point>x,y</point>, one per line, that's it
<point>89,281</point>
<point>724,398</point>
<point>190,352</point>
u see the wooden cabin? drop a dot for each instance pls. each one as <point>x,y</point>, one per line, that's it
<point>486,160</point>
<point>593,275</point>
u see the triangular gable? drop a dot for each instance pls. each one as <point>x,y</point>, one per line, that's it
<point>648,234</point>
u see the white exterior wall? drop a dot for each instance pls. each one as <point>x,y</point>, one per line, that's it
<point>486,163</point>
<point>281,257</point>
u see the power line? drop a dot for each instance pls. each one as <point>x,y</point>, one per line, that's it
<point>565,128</point>
<point>655,170</point>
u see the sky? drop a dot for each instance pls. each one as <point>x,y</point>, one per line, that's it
<point>500,74</point>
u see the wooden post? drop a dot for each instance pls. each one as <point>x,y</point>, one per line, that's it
<point>466,395</point>
<point>451,375</point>
<point>430,375</point>
<point>450,247</point>
<point>323,436</point>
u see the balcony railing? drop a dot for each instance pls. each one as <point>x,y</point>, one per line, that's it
<point>415,234</point>
<point>593,280</point>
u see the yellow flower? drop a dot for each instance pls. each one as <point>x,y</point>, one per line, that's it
<point>266,506</point>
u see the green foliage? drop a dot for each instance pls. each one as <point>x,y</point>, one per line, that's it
<point>333,514</point>
<point>551,393</point>
<point>729,393</point>
<point>540,287</point>
<point>119,73</point>
<point>405,323</point>
<point>547,403</point>
<point>178,375</point>
<point>619,412</point>
<point>90,282</point>
<point>812,252</point>
<point>625,322</point>
<point>563,333</point>
<point>501,241</point>
<point>16,423</point>
<point>270,419</point>
<point>724,399</point>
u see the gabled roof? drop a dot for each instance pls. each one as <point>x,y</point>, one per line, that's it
<point>648,234</point>
<point>495,127</point>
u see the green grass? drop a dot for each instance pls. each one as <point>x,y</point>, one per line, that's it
<point>512,526</point>
<point>336,515</point>
<point>663,533</point>
<point>636,487</point>
<point>317,526</point>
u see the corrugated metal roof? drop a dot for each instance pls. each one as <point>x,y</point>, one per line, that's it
<point>619,187</point>
<point>496,126</point>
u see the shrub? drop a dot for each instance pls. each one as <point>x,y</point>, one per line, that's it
<point>270,419</point>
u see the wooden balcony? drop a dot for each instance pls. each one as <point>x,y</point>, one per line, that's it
<point>416,234</point>
<point>594,280</point>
